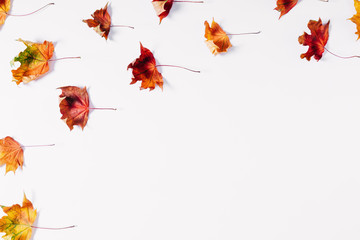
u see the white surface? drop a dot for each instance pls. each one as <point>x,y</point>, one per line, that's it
<point>260,145</point>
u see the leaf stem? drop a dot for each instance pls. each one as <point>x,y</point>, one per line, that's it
<point>51,60</point>
<point>23,15</point>
<point>46,145</point>
<point>178,67</point>
<point>114,109</point>
<point>126,26</point>
<point>229,34</point>
<point>54,228</point>
<point>340,56</point>
<point>190,1</point>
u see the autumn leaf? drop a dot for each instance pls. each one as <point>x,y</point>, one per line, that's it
<point>162,8</point>
<point>144,70</point>
<point>316,40</point>
<point>101,22</point>
<point>17,224</point>
<point>4,9</point>
<point>11,154</point>
<point>74,106</point>
<point>356,18</point>
<point>216,39</point>
<point>34,61</point>
<point>284,6</point>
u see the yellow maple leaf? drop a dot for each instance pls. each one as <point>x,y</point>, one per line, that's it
<point>356,18</point>
<point>4,9</point>
<point>11,154</point>
<point>17,225</point>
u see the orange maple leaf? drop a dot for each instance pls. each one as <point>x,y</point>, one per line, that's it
<point>216,39</point>
<point>11,154</point>
<point>17,225</point>
<point>144,70</point>
<point>34,61</point>
<point>101,22</point>
<point>284,6</point>
<point>356,18</point>
<point>4,9</point>
<point>316,40</point>
<point>162,7</point>
<point>74,106</point>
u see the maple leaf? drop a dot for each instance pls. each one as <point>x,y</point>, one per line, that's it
<point>284,6</point>
<point>34,61</point>
<point>144,70</point>
<point>17,225</point>
<point>316,40</point>
<point>101,22</point>
<point>4,9</point>
<point>162,7</point>
<point>74,106</point>
<point>356,18</point>
<point>11,154</point>
<point>216,39</point>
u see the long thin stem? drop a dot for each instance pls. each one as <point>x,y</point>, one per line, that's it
<point>126,26</point>
<point>53,228</point>
<point>190,1</point>
<point>243,33</point>
<point>46,145</point>
<point>23,15</point>
<point>114,109</point>
<point>340,56</point>
<point>50,60</point>
<point>178,67</point>
<point>324,0</point>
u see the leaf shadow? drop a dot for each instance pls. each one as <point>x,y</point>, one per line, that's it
<point>34,230</point>
<point>166,82</point>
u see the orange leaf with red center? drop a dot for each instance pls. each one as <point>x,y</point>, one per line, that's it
<point>18,223</point>
<point>162,7</point>
<point>11,154</point>
<point>316,40</point>
<point>284,6</point>
<point>34,61</point>
<point>216,39</point>
<point>4,9</point>
<point>144,70</point>
<point>74,106</point>
<point>101,22</point>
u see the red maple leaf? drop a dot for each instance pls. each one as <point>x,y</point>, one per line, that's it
<point>316,40</point>
<point>74,106</point>
<point>162,7</point>
<point>284,6</point>
<point>144,70</point>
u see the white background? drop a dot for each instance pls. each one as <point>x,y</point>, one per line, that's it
<point>260,145</point>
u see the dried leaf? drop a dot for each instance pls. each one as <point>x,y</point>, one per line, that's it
<point>34,61</point>
<point>316,40</point>
<point>144,70</point>
<point>74,106</point>
<point>162,8</point>
<point>17,225</point>
<point>356,18</point>
<point>216,39</point>
<point>4,9</point>
<point>101,22</point>
<point>11,154</point>
<point>284,6</point>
